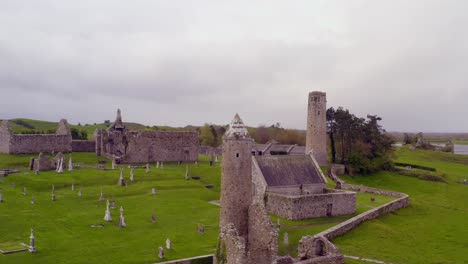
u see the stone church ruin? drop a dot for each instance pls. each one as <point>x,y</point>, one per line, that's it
<point>124,146</point>
<point>11,143</point>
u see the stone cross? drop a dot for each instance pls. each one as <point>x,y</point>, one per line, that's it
<point>186,173</point>
<point>101,197</point>
<point>121,179</point>
<point>113,164</point>
<point>80,192</point>
<point>153,218</point>
<point>153,190</point>
<point>25,191</point>
<point>161,253</point>
<point>147,168</point>
<point>70,164</point>
<point>168,243</point>
<point>286,238</point>
<point>73,187</point>
<point>1,196</point>
<point>32,243</point>
<point>132,175</point>
<point>201,229</point>
<point>107,215</point>
<point>122,218</point>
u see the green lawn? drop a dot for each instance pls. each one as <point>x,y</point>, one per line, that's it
<point>63,228</point>
<point>434,229</point>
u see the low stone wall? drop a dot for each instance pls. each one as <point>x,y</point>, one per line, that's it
<point>338,230</point>
<point>300,207</point>
<point>83,146</point>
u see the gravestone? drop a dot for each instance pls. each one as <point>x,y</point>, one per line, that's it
<point>73,187</point>
<point>32,199</point>
<point>54,198</point>
<point>186,173</point>
<point>25,191</point>
<point>113,164</point>
<point>286,238</point>
<point>161,253</point>
<point>1,196</point>
<point>107,215</point>
<point>168,244</point>
<point>113,204</point>
<point>132,175</point>
<point>80,192</point>
<point>122,218</point>
<point>157,165</point>
<point>32,242</point>
<point>36,172</point>
<point>153,218</point>
<point>201,229</point>
<point>153,190</point>
<point>121,179</point>
<point>70,164</point>
<point>101,197</point>
<point>147,168</point>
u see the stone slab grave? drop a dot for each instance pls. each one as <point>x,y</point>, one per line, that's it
<point>13,247</point>
<point>6,172</point>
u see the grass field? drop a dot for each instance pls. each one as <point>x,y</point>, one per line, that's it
<point>434,229</point>
<point>63,228</point>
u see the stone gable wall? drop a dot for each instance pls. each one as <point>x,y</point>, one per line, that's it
<point>311,206</point>
<point>148,146</point>
<point>83,146</point>
<point>4,141</point>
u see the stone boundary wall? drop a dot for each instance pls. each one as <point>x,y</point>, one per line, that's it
<point>188,260</point>
<point>298,207</point>
<point>83,146</point>
<point>340,229</point>
<point>24,144</point>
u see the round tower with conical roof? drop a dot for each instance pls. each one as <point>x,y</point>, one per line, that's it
<point>316,138</point>
<point>236,179</point>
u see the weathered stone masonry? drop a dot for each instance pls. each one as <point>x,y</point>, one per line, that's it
<point>23,144</point>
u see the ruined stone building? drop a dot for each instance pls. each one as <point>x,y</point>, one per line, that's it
<point>11,143</point>
<point>274,148</point>
<point>125,146</point>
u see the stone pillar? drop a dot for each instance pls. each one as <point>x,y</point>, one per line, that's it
<point>316,138</point>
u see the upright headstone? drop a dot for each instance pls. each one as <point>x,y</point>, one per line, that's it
<point>54,198</point>
<point>168,243</point>
<point>286,238</point>
<point>113,203</point>
<point>157,165</point>
<point>132,174</point>
<point>101,197</point>
<point>80,192</point>
<point>122,218</point>
<point>25,191</point>
<point>147,168</point>
<point>32,242</point>
<point>113,164</point>
<point>201,229</point>
<point>73,187</point>
<point>216,158</point>
<point>1,196</point>
<point>121,179</point>
<point>36,172</point>
<point>153,217</point>
<point>32,199</point>
<point>107,216</point>
<point>70,164</point>
<point>153,190</point>
<point>186,173</point>
<point>60,166</point>
<point>161,253</point>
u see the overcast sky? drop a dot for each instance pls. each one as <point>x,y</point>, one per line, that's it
<point>190,62</point>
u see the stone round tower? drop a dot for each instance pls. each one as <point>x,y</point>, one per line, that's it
<point>236,179</point>
<point>316,139</point>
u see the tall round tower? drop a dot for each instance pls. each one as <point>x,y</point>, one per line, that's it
<point>316,139</point>
<point>236,179</point>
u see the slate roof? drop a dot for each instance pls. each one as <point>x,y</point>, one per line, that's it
<point>284,170</point>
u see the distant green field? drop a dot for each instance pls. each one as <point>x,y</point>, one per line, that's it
<point>24,125</point>
<point>63,228</point>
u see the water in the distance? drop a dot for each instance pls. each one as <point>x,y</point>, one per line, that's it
<point>461,149</point>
